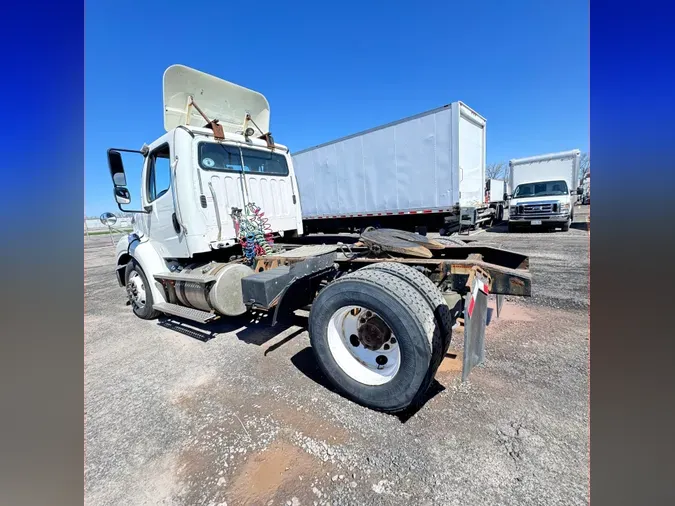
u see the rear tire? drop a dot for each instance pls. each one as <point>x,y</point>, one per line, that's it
<point>427,289</point>
<point>413,326</point>
<point>138,290</point>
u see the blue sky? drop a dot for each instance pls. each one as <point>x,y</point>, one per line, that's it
<point>332,69</point>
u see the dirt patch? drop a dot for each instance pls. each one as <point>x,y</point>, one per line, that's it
<point>194,464</point>
<point>452,362</point>
<point>292,418</point>
<point>305,422</point>
<point>514,312</point>
<point>272,473</point>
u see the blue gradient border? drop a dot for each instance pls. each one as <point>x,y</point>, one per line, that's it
<point>41,371</point>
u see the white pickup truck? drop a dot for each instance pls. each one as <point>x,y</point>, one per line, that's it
<point>544,190</point>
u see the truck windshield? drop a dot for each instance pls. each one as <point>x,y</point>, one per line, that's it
<point>214,156</point>
<point>543,189</point>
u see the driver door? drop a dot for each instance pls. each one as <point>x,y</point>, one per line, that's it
<point>159,202</point>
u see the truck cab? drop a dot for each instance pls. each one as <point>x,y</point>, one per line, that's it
<point>216,165</point>
<point>544,191</point>
<point>213,160</point>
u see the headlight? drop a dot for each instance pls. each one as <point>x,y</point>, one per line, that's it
<point>564,207</point>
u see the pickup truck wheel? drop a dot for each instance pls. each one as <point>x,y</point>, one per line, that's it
<point>376,339</point>
<point>139,292</point>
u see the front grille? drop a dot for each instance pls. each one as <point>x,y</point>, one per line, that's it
<point>536,208</point>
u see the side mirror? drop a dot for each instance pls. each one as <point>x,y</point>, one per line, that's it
<point>507,196</point>
<point>122,195</point>
<point>580,191</point>
<point>116,168</point>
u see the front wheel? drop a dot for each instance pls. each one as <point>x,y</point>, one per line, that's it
<point>376,339</point>
<point>138,291</point>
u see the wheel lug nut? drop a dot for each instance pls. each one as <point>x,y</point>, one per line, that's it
<point>386,346</point>
<point>392,340</point>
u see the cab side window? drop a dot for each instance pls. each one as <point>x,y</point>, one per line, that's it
<point>159,172</point>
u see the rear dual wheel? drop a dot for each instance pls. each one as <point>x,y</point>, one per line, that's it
<point>379,335</point>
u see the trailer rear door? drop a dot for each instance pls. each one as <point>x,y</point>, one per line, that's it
<point>471,158</point>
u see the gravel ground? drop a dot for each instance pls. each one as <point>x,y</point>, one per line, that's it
<point>237,413</point>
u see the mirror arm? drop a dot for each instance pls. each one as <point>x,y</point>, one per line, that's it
<point>133,210</point>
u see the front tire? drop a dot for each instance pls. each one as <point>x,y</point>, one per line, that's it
<point>138,290</point>
<point>349,356</point>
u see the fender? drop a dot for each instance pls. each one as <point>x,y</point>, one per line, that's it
<point>144,252</point>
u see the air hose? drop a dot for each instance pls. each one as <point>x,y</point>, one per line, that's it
<point>253,232</point>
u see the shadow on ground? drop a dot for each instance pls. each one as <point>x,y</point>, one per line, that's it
<point>250,328</point>
<point>306,363</point>
<point>535,229</point>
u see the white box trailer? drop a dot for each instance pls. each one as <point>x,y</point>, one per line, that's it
<point>417,171</point>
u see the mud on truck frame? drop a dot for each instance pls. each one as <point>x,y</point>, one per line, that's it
<point>215,244</point>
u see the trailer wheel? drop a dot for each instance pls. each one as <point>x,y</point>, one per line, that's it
<point>376,339</point>
<point>138,290</point>
<point>427,289</point>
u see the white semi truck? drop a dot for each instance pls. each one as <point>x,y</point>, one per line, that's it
<point>219,232</point>
<point>544,190</point>
<point>425,171</point>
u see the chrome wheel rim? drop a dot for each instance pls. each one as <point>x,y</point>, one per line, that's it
<point>363,345</point>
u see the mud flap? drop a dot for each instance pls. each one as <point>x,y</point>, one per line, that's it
<point>475,319</point>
